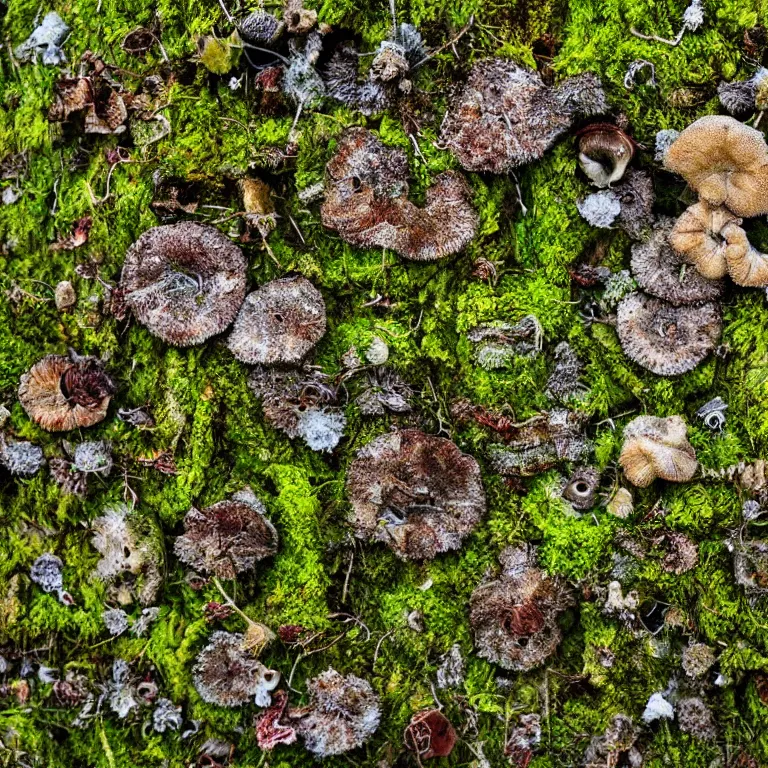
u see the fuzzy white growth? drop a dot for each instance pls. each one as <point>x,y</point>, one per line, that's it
<point>45,41</point>
<point>114,540</point>
<point>46,572</point>
<point>321,428</point>
<point>21,458</point>
<point>115,620</point>
<point>656,708</point>
<point>664,140</point>
<point>93,456</point>
<point>600,209</point>
<point>167,716</point>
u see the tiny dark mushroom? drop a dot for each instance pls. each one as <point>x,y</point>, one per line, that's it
<point>279,323</point>
<point>605,151</point>
<point>636,198</point>
<point>505,116</point>
<point>750,564</point>
<point>185,282</point>
<point>62,393</point>
<point>656,447</point>
<point>415,492</point>
<point>430,734</point>
<point>514,617</point>
<point>659,270</point>
<point>271,729</point>
<point>523,739</point>
<point>581,488</point>
<point>725,161</point>
<point>616,746</point>
<point>681,554</point>
<point>340,75</point>
<point>342,714</point>
<point>665,339</point>
<point>227,538</point>
<point>260,28</point>
<point>366,202</point>
<point>228,676</point>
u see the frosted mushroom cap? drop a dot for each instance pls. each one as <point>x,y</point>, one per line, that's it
<point>725,161</point>
<point>656,447</point>
<point>665,339</point>
<point>279,323</point>
<point>185,282</point>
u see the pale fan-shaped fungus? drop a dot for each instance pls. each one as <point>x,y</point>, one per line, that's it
<point>185,282</point>
<point>417,493</point>
<point>656,447</point>
<point>366,202</point>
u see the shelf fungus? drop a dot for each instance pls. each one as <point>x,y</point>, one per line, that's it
<point>605,151</point>
<point>185,282</point>
<point>657,447</point>
<point>342,714</point>
<point>665,339</point>
<point>279,323</point>
<point>366,202</point>
<point>430,734</point>
<point>60,393</point>
<point>505,116</point>
<point>514,617</point>
<point>227,538</point>
<point>660,270</point>
<point>227,675</point>
<point>725,161</point>
<point>417,493</point>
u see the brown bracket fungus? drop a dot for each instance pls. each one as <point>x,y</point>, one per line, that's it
<point>279,323</point>
<point>62,393</point>
<point>604,153</point>
<point>227,538</point>
<point>342,714</point>
<point>656,447</point>
<point>514,617</point>
<point>659,271</point>
<point>185,282</point>
<point>505,116</point>
<point>725,161</point>
<point>665,339</point>
<point>366,202</point>
<point>417,493</point>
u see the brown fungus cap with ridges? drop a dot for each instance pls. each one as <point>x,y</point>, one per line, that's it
<point>604,153</point>
<point>658,270</point>
<point>366,202</point>
<point>185,282</point>
<point>61,393</point>
<point>279,323</point>
<point>706,237</point>
<point>665,339</point>
<point>417,493</point>
<point>656,447</point>
<point>725,161</point>
<point>747,266</point>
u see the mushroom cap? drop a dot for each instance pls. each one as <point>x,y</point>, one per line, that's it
<point>430,734</point>
<point>504,116</point>
<point>280,322</point>
<point>604,153</point>
<point>228,537</point>
<point>746,265</point>
<point>417,493</point>
<point>366,202</point>
<point>665,339</point>
<point>61,393</point>
<point>706,237</point>
<point>725,161</point>
<point>657,447</point>
<point>185,282</point>
<point>657,268</point>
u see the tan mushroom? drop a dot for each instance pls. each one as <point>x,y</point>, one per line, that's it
<point>746,265</point>
<point>725,161</point>
<point>656,447</point>
<point>708,238</point>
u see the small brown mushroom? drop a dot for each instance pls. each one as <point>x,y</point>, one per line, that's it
<point>279,323</point>
<point>707,237</point>
<point>366,202</point>
<point>656,447</point>
<point>725,161</point>
<point>505,116</point>
<point>604,153</point>
<point>658,270</point>
<point>665,339</point>
<point>416,493</point>
<point>185,282</point>
<point>61,393</point>
<point>430,734</point>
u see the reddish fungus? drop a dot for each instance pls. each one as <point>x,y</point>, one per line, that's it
<point>505,116</point>
<point>280,323</point>
<point>270,728</point>
<point>185,282</point>
<point>416,493</point>
<point>430,734</point>
<point>61,393</point>
<point>366,202</point>
<point>227,538</point>
<point>514,617</point>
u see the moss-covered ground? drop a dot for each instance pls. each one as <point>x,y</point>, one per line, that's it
<point>207,416</point>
